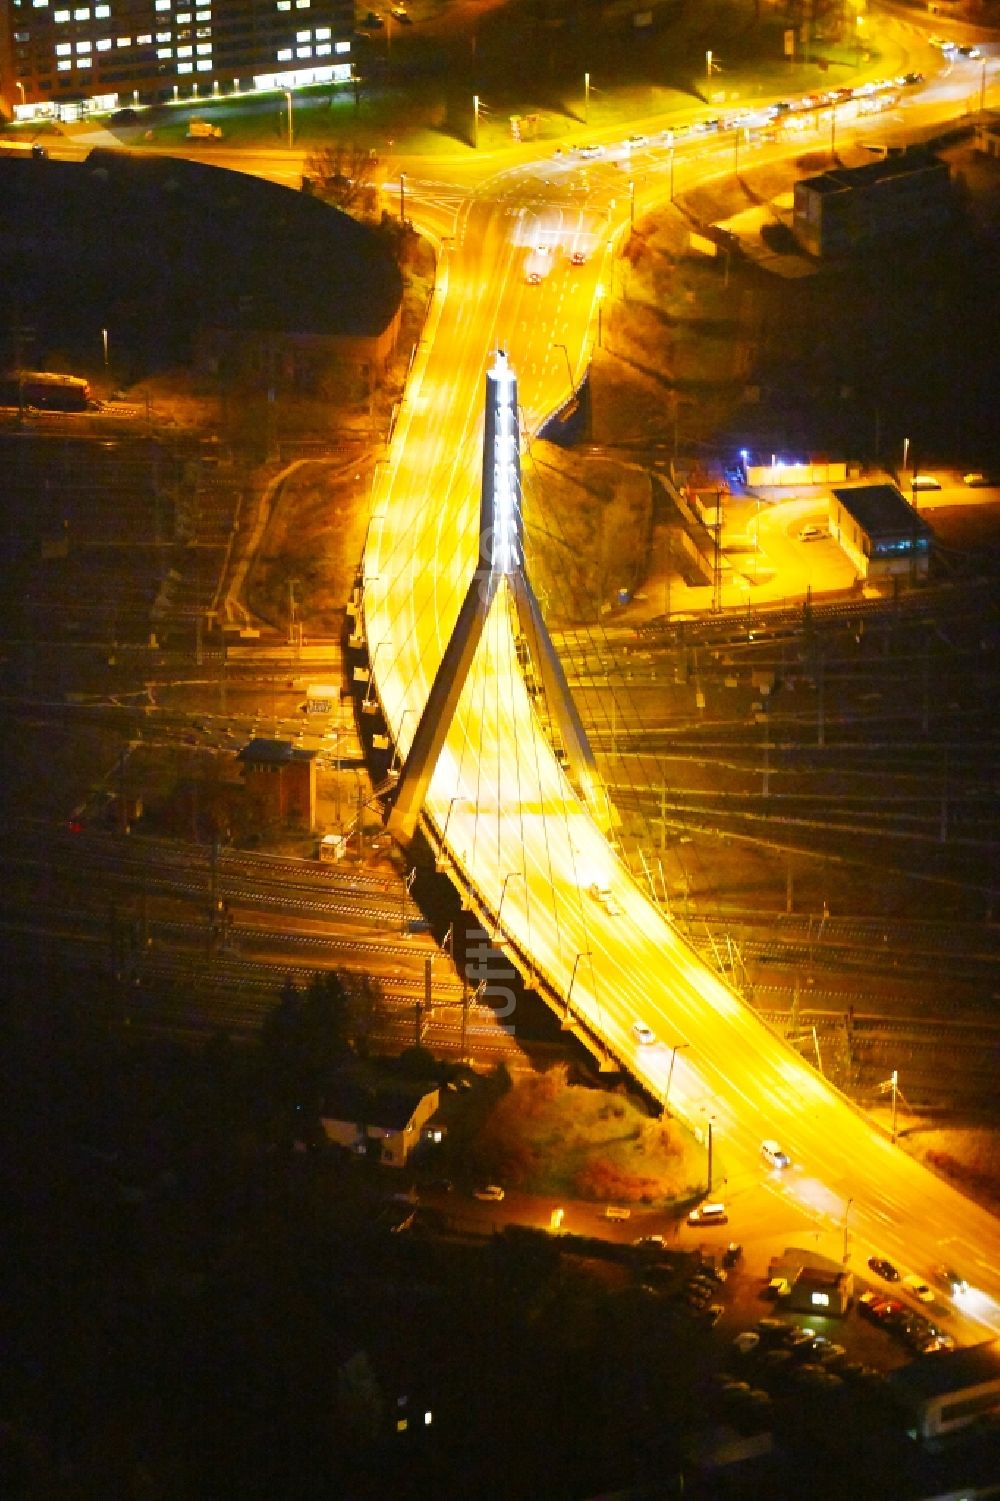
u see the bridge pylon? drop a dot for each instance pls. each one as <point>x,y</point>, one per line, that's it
<point>500,567</point>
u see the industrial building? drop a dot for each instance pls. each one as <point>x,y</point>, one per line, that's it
<point>881,532</point>
<point>63,61</point>
<point>849,208</point>
<point>280,779</point>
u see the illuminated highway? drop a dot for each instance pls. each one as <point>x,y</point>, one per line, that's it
<point>516,833</point>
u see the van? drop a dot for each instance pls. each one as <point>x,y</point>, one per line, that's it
<point>708,1214</point>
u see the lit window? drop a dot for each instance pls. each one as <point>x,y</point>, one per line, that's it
<point>143,41</point>
<point>821,1300</point>
<point>184,67</point>
<point>124,41</point>
<point>285,55</point>
<point>63,49</point>
<point>205,67</point>
<point>204,31</point>
<point>323,33</point>
<point>204,49</point>
<point>324,49</point>
<point>40,4</point>
<point>284,4</point>
<point>163,4</point>
<point>83,14</point>
<point>104,45</point>
<point>102,12</point>
<point>303,52</point>
<point>203,15</point>
<point>302,4</point>
<point>185,19</point>
<point>83,62</point>
<point>163,36</point>
<point>83,46</point>
<point>184,52</point>
<point>62,15</point>
<point>342,47</point>
<point>303,36</point>
<point>164,51</point>
<point>62,67</point>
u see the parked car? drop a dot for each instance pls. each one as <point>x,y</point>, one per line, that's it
<point>643,1034</point>
<point>812,533</point>
<point>490,1193</point>
<point>872,1305</point>
<point>650,1243</point>
<point>746,1342</point>
<point>918,1287</point>
<point>953,1282</point>
<point>883,1268</point>
<point>773,1154</point>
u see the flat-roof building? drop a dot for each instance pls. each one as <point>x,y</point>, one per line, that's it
<point>881,533</point>
<point>63,59</point>
<point>950,1389</point>
<point>848,208</point>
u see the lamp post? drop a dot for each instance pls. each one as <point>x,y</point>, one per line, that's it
<point>288,99</point>
<point>475,122</point>
<point>670,1073</point>
<point>708,64</point>
<point>569,367</point>
<point>511,874</point>
<point>587,954</point>
<point>402,197</point>
<point>104,341</point>
<point>586,97</point>
<point>407,888</point>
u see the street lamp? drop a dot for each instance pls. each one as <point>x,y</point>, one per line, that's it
<point>402,197</point>
<point>670,1074</point>
<point>586,96</point>
<point>587,954</point>
<point>475,122</point>
<point>511,875</point>
<point>569,367</point>
<point>407,888</point>
<point>288,98</point>
<point>104,341</point>
<point>708,64</point>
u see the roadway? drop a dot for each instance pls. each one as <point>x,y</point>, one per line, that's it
<point>519,837</point>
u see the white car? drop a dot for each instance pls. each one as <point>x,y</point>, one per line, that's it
<point>918,1287</point>
<point>708,1214</point>
<point>773,1154</point>
<point>643,1034</point>
<point>813,534</point>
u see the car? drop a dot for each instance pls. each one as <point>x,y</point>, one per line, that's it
<point>603,894</point>
<point>649,1243</point>
<point>937,1343</point>
<point>909,80</point>
<point>636,141</point>
<point>813,533</point>
<point>871,1305</point>
<point>590,151</point>
<point>883,1268</point>
<point>773,1154</point>
<point>578,258</point>
<point>643,1034</point>
<point>799,1341</point>
<point>746,1342</point>
<point>616,1212</point>
<point>976,479</point>
<point>953,1282</point>
<point>972,52</point>
<point>918,1287</point>
<point>372,22</point>
<point>708,1214</point>
<point>924,482</point>
<point>490,1193</point>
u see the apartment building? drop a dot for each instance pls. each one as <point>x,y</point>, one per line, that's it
<point>62,60</point>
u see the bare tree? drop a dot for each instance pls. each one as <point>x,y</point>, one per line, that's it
<point>343,175</point>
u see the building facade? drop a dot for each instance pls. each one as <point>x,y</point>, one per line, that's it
<point>884,536</point>
<point>61,59</point>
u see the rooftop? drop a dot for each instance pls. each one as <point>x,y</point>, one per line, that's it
<point>882,510</point>
<point>949,1371</point>
<point>273,753</point>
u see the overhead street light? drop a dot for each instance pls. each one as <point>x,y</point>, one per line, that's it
<point>670,1074</point>
<point>510,876</point>
<point>587,954</point>
<point>288,97</point>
